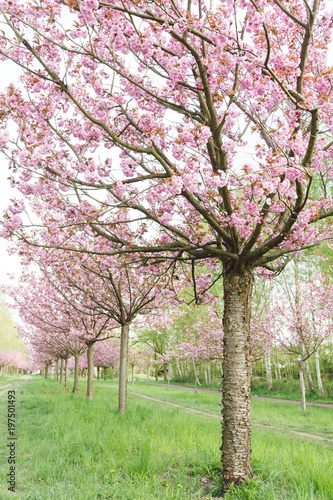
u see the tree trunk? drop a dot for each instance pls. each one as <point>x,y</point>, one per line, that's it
<point>147,375</point>
<point>132,374</point>
<point>320,384</point>
<point>76,374</point>
<point>104,372</point>
<point>90,380</point>
<point>98,373</point>
<point>66,373</point>
<point>61,371</point>
<point>165,372</point>
<point>57,369</point>
<point>308,377</point>
<point>301,385</point>
<point>196,380</point>
<point>205,374</point>
<point>122,396</point>
<point>170,371</point>
<point>268,372</point>
<point>208,372</point>
<point>46,371</point>
<point>236,383</point>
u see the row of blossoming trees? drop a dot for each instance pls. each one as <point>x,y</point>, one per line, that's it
<point>126,135</point>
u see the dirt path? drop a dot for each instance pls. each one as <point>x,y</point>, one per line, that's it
<point>211,415</point>
<point>15,385</point>
<point>263,398</point>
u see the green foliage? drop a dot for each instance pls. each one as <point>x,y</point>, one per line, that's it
<point>8,331</point>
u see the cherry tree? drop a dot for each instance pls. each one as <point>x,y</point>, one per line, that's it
<point>218,119</point>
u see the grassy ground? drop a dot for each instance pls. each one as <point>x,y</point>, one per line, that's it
<point>315,420</point>
<point>284,388</point>
<point>72,448</point>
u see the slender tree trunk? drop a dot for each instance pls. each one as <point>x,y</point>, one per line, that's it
<point>61,371</point>
<point>156,374</point>
<point>268,372</point>
<point>122,396</point>
<point>236,386</point>
<point>165,372</point>
<point>320,384</point>
<point>170,371</point>
<point>76,374</point>
<point>277,367</point>
<point>66,373</point>
<point>195,378</point>
<point>209,377</point>
<point>46,372</point>
<point>308,377</point>
<point>180,371</point>
<point>301,385</point>
<point>132,374</point>
<point>205,374</point>
<point>104,372</point>
<point>90,380</point>
<point>57,369</point>
<point>98,373</point>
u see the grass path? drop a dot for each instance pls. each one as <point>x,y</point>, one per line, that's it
<point>72,448</point>
<point>262,398</point>
<point>266,426</point>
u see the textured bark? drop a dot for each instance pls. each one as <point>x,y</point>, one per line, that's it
<point>104,372</point>
<point>165,372</point>
<point>62,370</point>
<point>46,372</point>
<point>268,372</point>
<point>320,384</point>
<point>301,385</point>
<point>76,374</point>
<point>66,373</point>
<point>236,394</point>
<point>90,380</point>
<point>98,373</point>
<point>122,396</point>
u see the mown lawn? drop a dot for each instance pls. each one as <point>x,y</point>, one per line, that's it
<point>72,448</point>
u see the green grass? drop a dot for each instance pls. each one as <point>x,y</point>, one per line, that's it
<point>289,389</point>
<point>285,388</point>
<point>314,421</point>
<point>73,448</point>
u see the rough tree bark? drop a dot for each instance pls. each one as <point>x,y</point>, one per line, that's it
<point>236,385</point>
<point>90,359</point>
<point>122,396</point>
